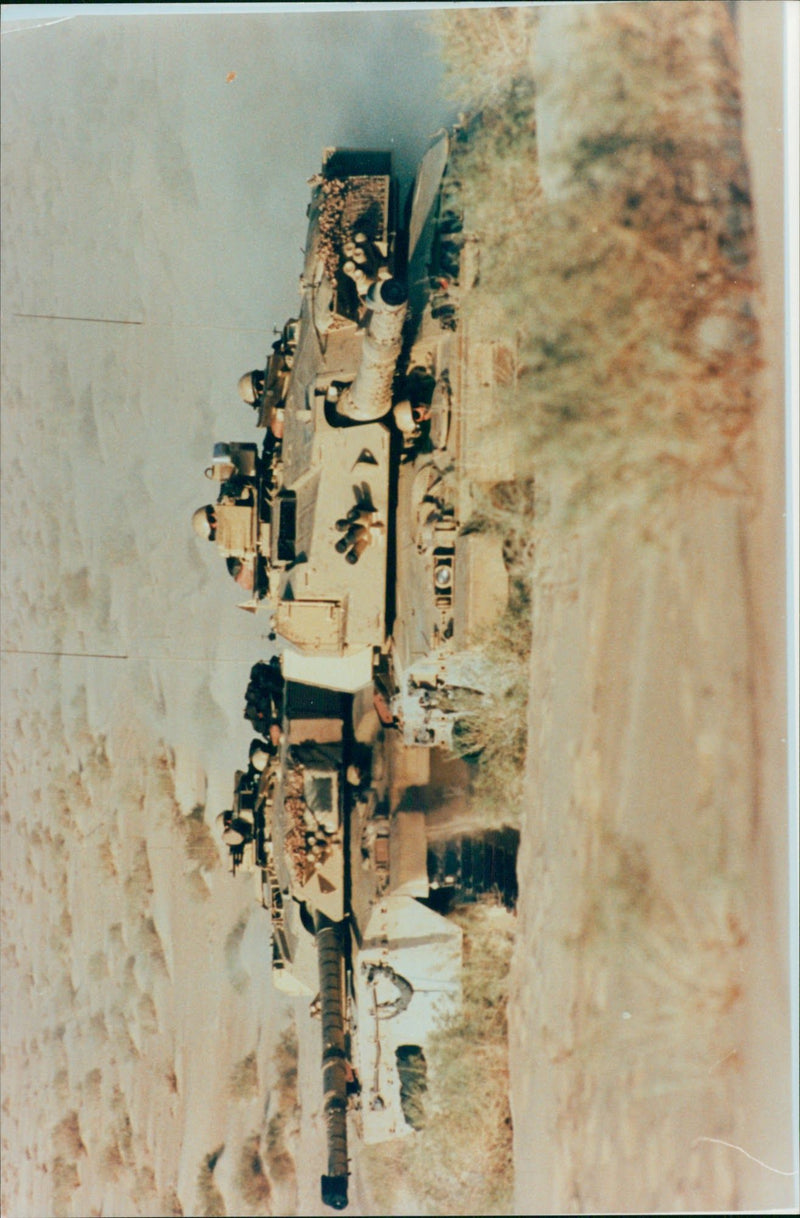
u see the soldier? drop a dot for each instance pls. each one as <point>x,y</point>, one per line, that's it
<point>232,523</point>
<point>235,830</point>
<point>265,393</point>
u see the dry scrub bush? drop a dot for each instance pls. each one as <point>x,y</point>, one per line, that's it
<point>106,859</point>
<point>123,1128</point>
<point>67,1140</point>
<point>145,1178</point>
<point>285,1061</point>
<point>251,1179</point>
<point>64,1179</point>
<point>197,886</point>
<point>64,997</point>
<point>280,1162</point>
<point>461,1162</point>
<point>237,975</point>
<point>128,985</point>
<point>243,1082</point>
<point>211,1203</point>
<point>493,729</point>
<point>170,1205</point>
<point>60,1083</point>
<point>116,938</point>
<point>147,1015</point>
<point>111,1164</point>
<point>502,38</point>
<point>93,1086</point>
<point>120,1034</point>
<point>98,1030</point>
<point>201,848</point>
<point>98,967</point>
<point>282,1168</point>
<point>164,772</point>
<point>149,945</point>
<point>139,881</point>
<point>632,284</point>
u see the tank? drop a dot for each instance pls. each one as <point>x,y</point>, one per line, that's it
<point>378,408</point>
<point>358,865</point>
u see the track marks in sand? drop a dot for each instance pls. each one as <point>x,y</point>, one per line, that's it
<point>633,955</point>
<point>88,1029</point>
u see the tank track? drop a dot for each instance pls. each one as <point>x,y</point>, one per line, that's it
<point>463,868</point>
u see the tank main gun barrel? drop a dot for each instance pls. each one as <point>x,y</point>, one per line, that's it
<point>369,397</point>
<point>330,954</point>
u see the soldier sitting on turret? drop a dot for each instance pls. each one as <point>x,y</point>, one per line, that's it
<point>236,831</point>
<point>233,523</point>
<point>265,393</point>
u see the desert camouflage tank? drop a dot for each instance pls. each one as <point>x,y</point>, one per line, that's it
<point>358,875</point>
<point>377,407</point>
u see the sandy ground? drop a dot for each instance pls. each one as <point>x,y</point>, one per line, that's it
<point>135,981</point>
<point>154,194</point>
<point>650,982</point>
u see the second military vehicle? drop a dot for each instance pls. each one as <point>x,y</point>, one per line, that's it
<point>358,863</point>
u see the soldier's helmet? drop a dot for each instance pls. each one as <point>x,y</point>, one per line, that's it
<point>251,387</point>
<point>204,522</point>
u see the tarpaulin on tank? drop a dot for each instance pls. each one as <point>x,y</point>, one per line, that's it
<point>407,979</point>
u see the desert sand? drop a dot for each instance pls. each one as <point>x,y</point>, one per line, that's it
<point>154,192</point>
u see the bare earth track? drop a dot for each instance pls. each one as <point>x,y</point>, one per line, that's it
<point>649,988</point>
